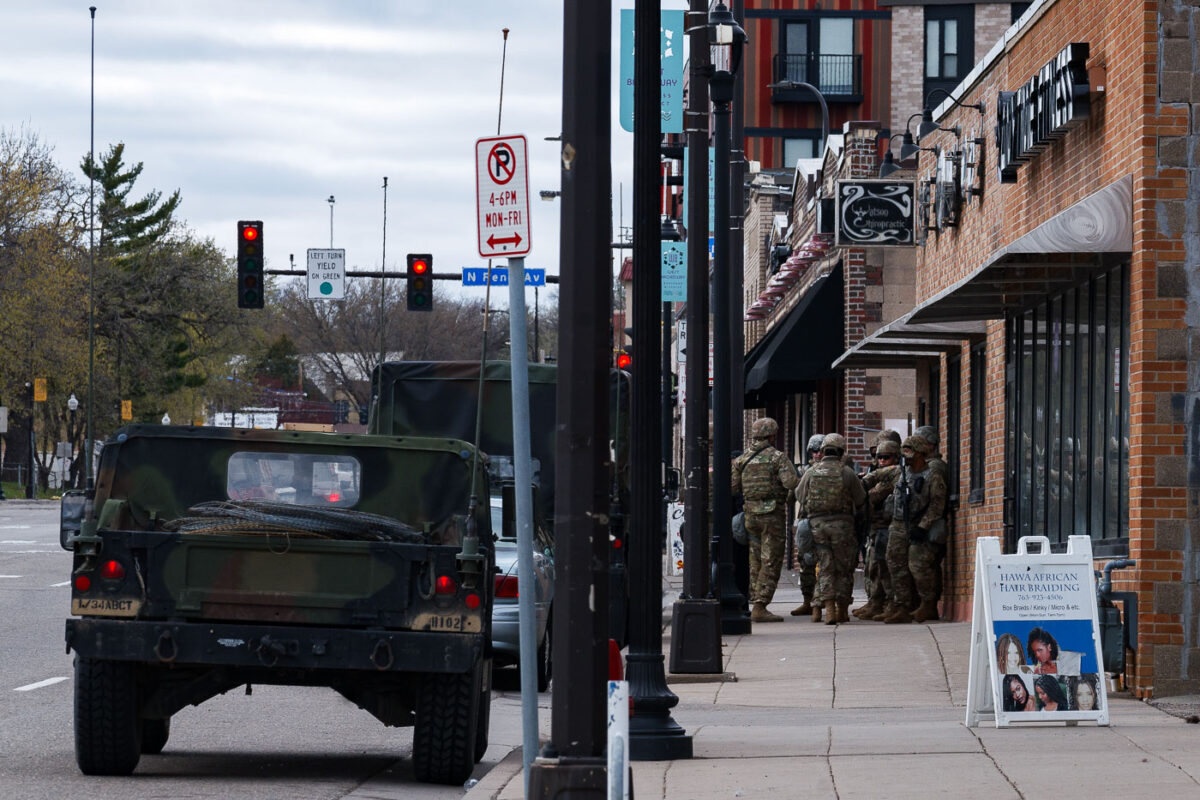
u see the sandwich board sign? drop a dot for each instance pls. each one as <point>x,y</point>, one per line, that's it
<point>1035,635</point>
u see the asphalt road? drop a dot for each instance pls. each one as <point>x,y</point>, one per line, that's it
<point>279,742</point>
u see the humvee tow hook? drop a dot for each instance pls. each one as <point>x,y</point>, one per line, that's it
<point>382,655</point>
<point>166,640</point>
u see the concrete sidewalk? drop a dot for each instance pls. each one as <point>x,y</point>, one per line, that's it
<point>867,710</point>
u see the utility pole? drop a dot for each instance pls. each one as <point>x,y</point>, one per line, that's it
<point>573,764</point>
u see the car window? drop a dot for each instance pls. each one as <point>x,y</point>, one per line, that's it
<point>306,479</point>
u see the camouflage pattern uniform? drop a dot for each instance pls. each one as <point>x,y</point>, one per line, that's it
<point>765,477</point>
<point>910,559</point>
<point>938,463</point>
<point>831,496</point>
<point>879,484</point>
<point>807,567</point>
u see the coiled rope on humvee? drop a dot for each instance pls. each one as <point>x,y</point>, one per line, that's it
<point>260,518</point>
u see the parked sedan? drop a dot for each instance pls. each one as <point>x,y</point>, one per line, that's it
<point>505,630</point>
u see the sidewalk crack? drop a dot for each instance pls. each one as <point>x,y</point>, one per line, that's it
<point>942,660</point>
<point>1190,776</point>
<point>833,693</point>
<point>995,763</point>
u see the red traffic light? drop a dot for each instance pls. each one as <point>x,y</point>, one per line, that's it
<point>624,360</point>
<point>249,233</point>
<point>420,266</point>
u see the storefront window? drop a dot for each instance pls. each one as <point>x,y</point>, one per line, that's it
<point>1068,401</point>
<point>978,443</point>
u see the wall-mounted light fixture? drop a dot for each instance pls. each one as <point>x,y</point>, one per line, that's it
<point>928,126</point>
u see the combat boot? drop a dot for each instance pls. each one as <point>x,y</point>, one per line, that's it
<point>843,609</point>
<point>926,611</point>
<point>759,613</point>
<point>899,616</point>
<point>803,610</point>
<point>831,613</point>
<point>868,611</point>
<point>888,609</point>
<point>816,612</point>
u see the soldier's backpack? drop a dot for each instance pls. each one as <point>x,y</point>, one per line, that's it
<point>827,491</point>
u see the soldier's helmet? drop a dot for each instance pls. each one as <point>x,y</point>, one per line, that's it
<point>928,433</point>
<point>918,444</point>
<point>834,441</point>
<point>764,428</point>
<point>888,435</point>
<point>887,448</point>
<point>814,442</point>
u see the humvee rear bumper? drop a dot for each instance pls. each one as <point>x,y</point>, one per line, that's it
<point>270,646</point>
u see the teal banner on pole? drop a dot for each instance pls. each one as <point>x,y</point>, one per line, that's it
<point>671,38</point>
<point>674,272</point>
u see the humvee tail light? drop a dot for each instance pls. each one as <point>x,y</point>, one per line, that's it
<point>506,586</point>
<point>112,569</point>
<point>472,601</point>
<point>446,585</point>
<point>82,583</point>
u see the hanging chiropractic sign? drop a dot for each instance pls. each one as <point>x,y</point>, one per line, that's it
<point>876,213</point>
<point>1049,103</point>
<point>1035,635</point>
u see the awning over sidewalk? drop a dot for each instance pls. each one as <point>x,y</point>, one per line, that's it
<point>801,349</point>
<point>1088,238</point>
<point>903,343</point>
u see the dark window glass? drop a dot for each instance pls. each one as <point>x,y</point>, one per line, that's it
<point>1018,9</point>
<point>949,45</point>
<point>953,438</point>
<point>978,391</point>
<point>1067,382</point>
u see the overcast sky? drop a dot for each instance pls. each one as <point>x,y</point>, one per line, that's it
<point>262,110</point>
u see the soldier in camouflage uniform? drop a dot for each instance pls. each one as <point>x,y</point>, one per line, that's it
<point>918,501</point>
<point>807,562</point>
<point>879,484</point>
<point>765,478</point>
<point>940,532</point>
<point>831,498</point>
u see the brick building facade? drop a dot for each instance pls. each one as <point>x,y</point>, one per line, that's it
<point>1062,221</point>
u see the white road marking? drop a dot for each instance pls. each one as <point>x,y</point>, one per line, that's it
<point>15,527</point>
<point>12,576</point>
<point>29,687</point>
<point>56,585</point>
<point>20,541</point>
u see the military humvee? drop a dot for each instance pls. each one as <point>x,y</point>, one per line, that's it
<point>212,558</point>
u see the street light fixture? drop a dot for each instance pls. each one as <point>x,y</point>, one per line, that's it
<point>72,407</point>
<point>725,40</point>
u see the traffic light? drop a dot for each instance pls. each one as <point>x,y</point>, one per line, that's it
<point>420,282</point>
<point>624,360</point>
<point>250,264</point>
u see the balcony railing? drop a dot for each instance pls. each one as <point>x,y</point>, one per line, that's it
<point>838,77</point>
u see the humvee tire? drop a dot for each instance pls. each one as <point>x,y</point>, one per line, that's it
<point>155,733</point>
<point>447,721</point>
<point>107,728</point>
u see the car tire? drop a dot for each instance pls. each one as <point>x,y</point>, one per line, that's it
<point>545,660</point>
<point>155,733</point>
<point>107,728</point>
<point>445,730</point>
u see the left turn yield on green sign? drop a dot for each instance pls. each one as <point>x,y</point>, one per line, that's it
<point>326,274</point>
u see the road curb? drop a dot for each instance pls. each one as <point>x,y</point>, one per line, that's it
<point>497,778</point>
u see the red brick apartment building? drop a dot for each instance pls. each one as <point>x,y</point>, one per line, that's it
<point>1044,320</point>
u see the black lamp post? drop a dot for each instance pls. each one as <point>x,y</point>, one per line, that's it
<point>696,615</point>
<point>72,407</point>
<point>725,39</point>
